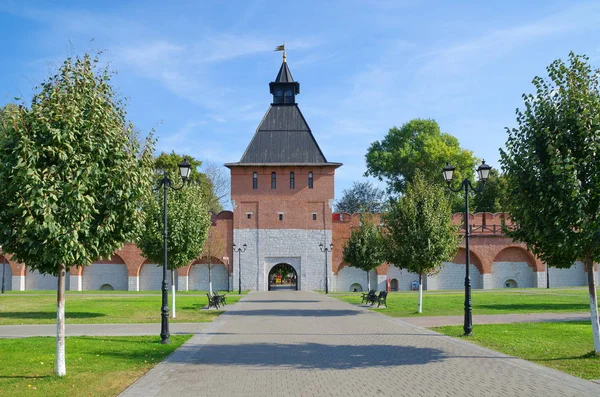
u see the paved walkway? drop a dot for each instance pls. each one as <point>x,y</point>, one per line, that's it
<point>307,344</point>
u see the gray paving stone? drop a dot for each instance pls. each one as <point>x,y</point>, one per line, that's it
<point>306,344</point>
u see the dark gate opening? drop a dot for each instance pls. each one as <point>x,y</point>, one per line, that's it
<point>283,277</point>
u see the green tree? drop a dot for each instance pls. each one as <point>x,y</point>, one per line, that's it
<point>169,162</point>
<point>494,196</point>
<point>188,224</point>
<point>362,197</point>
<point>73,176</point>
<point>418,145</point>
<point>552,165</point>
<point>419,231</point>
<point>364,249</point>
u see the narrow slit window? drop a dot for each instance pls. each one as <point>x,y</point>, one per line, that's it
<point>310,180</point>
<point>292,180</point>
<point>255,180</point>
<point>273,180</point>
<point>280,217</point>
<point>249,215</point>
<point>314,216</point>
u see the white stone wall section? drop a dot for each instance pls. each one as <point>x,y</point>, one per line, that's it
<point>7,277</point>
<point>98,274</point>
<point>76,283</point>
<point>36,281</point>
<point>506,274</point>
<point>571,277</point>
<point>151,275</point>
<point>18,283</point>
<point>404,277</point>
<point>198,278</point>
<point>348,275</point>
<point>452,276</point>
<point>265,244</point>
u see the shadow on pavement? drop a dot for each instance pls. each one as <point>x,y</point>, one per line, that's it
<point>281,301</point>
<point>306,355</point>
<point>294,313</point>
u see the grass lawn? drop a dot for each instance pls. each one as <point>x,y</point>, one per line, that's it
<point>91,309</point>
<point>451,303</point>
<point>565,346</point>
<point>96,366</point>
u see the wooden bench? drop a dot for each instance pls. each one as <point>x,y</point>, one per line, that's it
<point>212,301</point>
<point>220,298</point>
<point>368,296</point>
<point>382,299</point>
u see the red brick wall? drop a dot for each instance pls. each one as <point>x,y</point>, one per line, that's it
<point>297,205</point>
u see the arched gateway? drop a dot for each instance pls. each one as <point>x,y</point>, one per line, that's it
<point>283,276</point>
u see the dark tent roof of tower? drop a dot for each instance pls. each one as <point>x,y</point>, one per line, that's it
<point>284,75</point>
<point>283,138</point>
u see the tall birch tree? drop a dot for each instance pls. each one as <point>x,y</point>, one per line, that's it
<point>552,167</point>
<point>73,176</point>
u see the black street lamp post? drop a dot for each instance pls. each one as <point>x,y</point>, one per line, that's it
<point>239,251</point>
<point>165,182</point>
<point>326,251</point>
<point>484,171</point>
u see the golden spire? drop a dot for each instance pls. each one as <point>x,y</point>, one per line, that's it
<point>284,57</point>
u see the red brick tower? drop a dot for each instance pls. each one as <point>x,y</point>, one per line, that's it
<point>282,192</point>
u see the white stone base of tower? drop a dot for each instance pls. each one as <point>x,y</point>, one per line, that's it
<point>269,247</point>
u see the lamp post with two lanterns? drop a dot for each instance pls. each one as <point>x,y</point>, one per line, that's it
<point>166,183</point>
<point>483,171</point>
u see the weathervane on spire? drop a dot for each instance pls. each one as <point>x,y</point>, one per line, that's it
<point>281,48</point>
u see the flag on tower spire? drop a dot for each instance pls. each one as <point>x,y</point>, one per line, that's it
<point>281,48</point>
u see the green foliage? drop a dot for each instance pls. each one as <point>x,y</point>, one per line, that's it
<point>494,196</point>
<point>364,249</point>
<point>418,145</point>
<point>420,234</point>
<point>170,163</point>
<point>73,172</point>
<point>552,165</point>
<point>362,197</point>
<point>188,224</point>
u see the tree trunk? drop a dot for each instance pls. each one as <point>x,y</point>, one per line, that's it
<point>420,307</point>
<point>368,280</point>
<point>61,366</point>
<point>209,281</point>
<point>173,291</point>
<point>589,262</point>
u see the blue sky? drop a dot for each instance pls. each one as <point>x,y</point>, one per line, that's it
<point>198,71</point>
